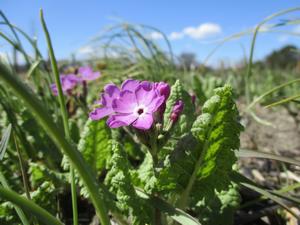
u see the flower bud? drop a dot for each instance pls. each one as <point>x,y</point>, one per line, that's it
<point>193,97</point>
<point>176,111</point>
<point>163,89</point>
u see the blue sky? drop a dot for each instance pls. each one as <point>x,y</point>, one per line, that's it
<point>194,23</point>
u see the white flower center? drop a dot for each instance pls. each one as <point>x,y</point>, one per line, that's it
<point>140,110</point>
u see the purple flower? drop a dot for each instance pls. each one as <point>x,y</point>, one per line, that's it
<point>68,82</point>
<point>176,111</point>
<point>86,73</point>
<point>135,108</point>
<point>111,92</point>
<point>134,104</point>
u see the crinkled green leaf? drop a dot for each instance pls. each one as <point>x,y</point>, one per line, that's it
<point>198,89</point>
<point>94,144</point>
<point>202,160</point>
<point>144,176</point>
<point>119,182</point>
<point>219,209</point>
<point>39,173</point>
<point>45,196</point>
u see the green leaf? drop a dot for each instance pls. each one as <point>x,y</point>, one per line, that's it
<point>202,160</point>
<point>119,182</point>
<point>198,89</point>
<point>39,173</point>
<point>45,195</point>
<point>95,147</point>
<point>144,176</point>
<point>220,208</point>
<point>175,213</point>
<point>187,116</point>
<point>42,214</point>
<point>95,144</point>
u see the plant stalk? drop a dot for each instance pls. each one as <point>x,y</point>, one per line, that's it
<point>33,208</point>
<point>23,171</point>
<point>64,114</point>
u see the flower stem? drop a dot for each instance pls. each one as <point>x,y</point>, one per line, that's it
<point>154,152</point>
<point>64,115</point>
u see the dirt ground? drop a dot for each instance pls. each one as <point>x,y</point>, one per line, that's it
<point>281,137</point>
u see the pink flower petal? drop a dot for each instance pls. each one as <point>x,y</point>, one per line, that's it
<point>144,122</point>
<point>130,85</point>
<point>144,97</point>
<point>112,90</point>
<point>147,85</point>
<point>126,103</point>
<point>156,103</point>
<point>99,113</point>
<point>121,120</point>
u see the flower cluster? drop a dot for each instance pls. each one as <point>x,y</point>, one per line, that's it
<point>86,73</point>
<point>135,103</point>
<point>70,81</point>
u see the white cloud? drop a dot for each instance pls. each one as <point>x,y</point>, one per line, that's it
<point>202,31</point>
<point>176,36</point>
<point>156,35</point>
<point>86,50</point>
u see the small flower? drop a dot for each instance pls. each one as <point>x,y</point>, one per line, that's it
<point>111,92</point>
<point>135,108</point>
<point>176,111</point>
<point>86,73</point>
<point>68,82</point>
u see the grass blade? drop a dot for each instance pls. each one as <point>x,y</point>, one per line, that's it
<point>255,154</point>
<point>176,214</point>
<point>64,113</point>
<point>30,206</point>
<point>4,141</point>
<point>242,180</point>
<point>272,91</point>
<point>285,100</point>
<point>3,147</point>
